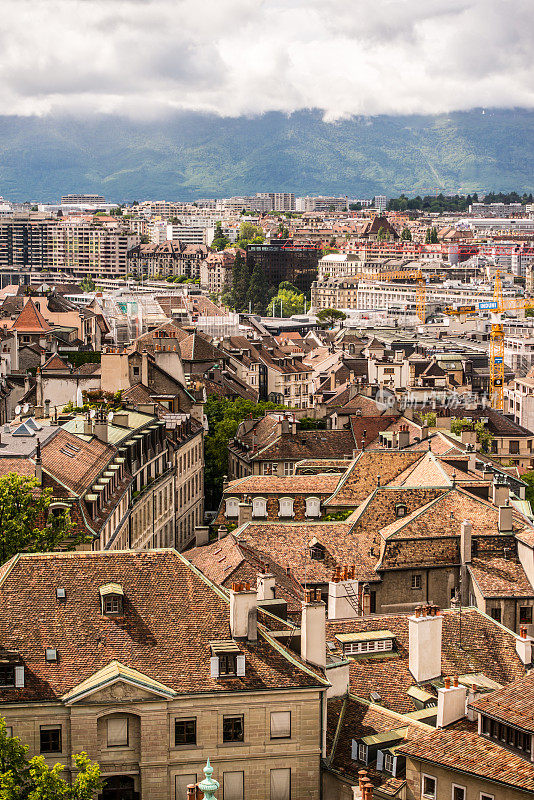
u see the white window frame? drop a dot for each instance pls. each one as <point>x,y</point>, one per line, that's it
<point>373,646</point>
<point>417,579</point>
<point>389,762</point>
<point>229,504</point>
<point>316,506</point>
<point>283,503</point>
<point>122,719</point>
<point>259,507</point>
<point>363,753</point>
<point>288,468</point>
<point>424,777</point>
<point>458,786</point>
<point>486,796</point>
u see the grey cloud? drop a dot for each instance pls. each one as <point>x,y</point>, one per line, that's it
<point>346,57</point>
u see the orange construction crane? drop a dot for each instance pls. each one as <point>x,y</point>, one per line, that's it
<point>496,348</point>
<point>402,275</point>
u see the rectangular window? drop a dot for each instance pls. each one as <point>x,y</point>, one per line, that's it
<point>118,732</point>
<point>181,782</point>
<point>185,731</point>
<point>362,753</point>
<point>495,614</point>
<point>514,447</point>
<point>429,787</point>
<point>280,784</point>
<point>228,664</point>
<point>280,724</point>
<point>416,581</point>
<point>458,792</point>
<point>525,615</point>
<point>233,729</point>
<point>388,762</point>
<point>50,739</point>
<point>233,785</point>
<point>7,675</point>
<point>484,796</point>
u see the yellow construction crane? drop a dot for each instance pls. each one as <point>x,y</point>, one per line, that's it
<point>496,348</point>
<point>396,275</point>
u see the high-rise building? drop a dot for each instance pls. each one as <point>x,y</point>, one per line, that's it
<point>282,260</point>
<point>380,203</point>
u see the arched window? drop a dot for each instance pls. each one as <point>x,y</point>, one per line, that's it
<point>313,507</point>
<point>232,507</point>
<point>286,507</point>
<point>259,507</point>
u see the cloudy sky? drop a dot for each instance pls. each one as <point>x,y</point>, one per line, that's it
<point>233,57</point>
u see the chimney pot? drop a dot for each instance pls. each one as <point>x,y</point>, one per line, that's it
<point>447,683</point>
<point>455,681</point>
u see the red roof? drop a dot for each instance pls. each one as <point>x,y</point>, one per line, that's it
<point>30,320</point>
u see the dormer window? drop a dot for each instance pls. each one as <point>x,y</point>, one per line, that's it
<point>401,510</point>
<point>317,551</point>
<point>111,598</point>
<point>357,644</point>
<point>227,661</point>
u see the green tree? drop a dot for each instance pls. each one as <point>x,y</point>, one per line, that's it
<point>220,241</point>
<point>329,316</point>
<point>88,284</point>
<point>258,290</point>
<point>47,782</point>
<point>240,283</point>
<point>434,236</point>
<point>286,303</point>
<point>21,779</point>
<point>223,417</point>
<point>249,234</point>
<point>25,521</point>
<point>406,235</point>
<point>529,312</point>
<point>427,236</point>
<point>382,234</point>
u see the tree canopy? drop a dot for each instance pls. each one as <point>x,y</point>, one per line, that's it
<point>26,522</point>
<point>23,779</point>
<point>286,303</point>
<point>329,316</point>
<point>223,417</point>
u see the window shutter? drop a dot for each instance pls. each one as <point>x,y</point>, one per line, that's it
<point>214,667</point>
<point>380,760</point>
<point>354,750</point>
<point>394,770</point>
<point>19,677</point>
<point>240,666</point>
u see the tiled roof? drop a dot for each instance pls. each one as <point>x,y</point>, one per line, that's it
<point>513,704</point>
<point>500,577</point>
<point>467,752</point>
<point>308,444</point>
<point>349,718</point>
<point>87,369</point>
<point>30,320</point>
<point>171,647</point>
<point>371,427</point>
<point>53,363</point>
<point>77,471</point>
<point>287,545</point>
<point>290,484</point>
<point>483,647</point>
<point>361,478</point>
<point>196,348</point>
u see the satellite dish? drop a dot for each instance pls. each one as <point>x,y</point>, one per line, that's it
<point>25,408</point>
<point>17,410</point>
<point>110,416</point>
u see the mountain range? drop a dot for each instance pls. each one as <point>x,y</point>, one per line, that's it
<point>193,155</point>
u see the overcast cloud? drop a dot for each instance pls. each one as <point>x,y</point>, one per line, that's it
<point>233,57</point>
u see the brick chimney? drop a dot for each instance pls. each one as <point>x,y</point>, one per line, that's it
<point>313,630</point>
<point>469,437</point>
<point>243,612</point>
<point>425,630</point>
<point>404,437</point>
<point>100,427</point>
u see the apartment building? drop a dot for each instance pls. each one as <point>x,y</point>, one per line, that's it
<point>279,201</point>
<point>174,669</point>
<point>82,199</point>
<point>85,249</point>
<point>321,203</point>
<point>216,270</point>
<point>347,293</point>
<point>284,260</point>
<point>167,258</point>
<point>26,241</point>
<point>519,400</point>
